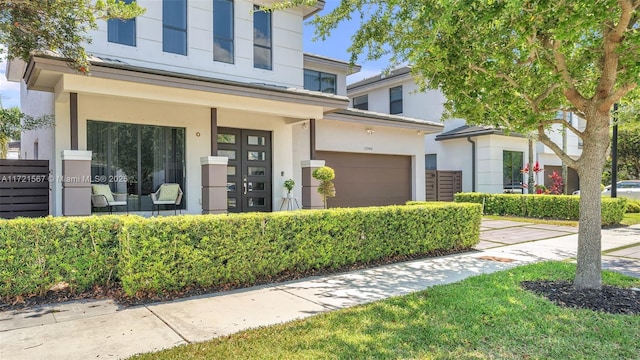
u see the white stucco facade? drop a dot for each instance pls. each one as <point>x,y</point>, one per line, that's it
<point>455,152</point>
<point>142,85</point>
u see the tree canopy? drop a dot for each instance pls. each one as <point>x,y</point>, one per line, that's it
<point>57,25</point>
<point>13,121</point>
<point>514,64</point>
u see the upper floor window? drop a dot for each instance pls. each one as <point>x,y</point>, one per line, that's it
<point>223,31</point>
<point>319,81</point>
<point>174,26</point>
<point>361,102</point>
<point>262,47</point>
<point>122,31</point>
<point>395,100</point>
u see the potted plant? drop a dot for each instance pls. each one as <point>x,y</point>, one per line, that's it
<point>289,184</point>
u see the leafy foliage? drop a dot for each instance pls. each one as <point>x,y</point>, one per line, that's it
<point>13,121</point>
<point>172,253</point>
<point>36,254</point>
<point>564,207</point>
<point>514,65</point>
<point>57,25</point>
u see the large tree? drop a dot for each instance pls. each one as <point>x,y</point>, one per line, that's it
<point>57,25</point>
<point>515,64</point>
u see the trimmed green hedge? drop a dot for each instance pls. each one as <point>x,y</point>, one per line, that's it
<point>172,253</point>
<point>542,206</point>
<point>36,254</point>
<point>177,252</point>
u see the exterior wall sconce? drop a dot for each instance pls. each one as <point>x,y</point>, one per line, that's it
<point>304,125</point>
<point>369,131</point>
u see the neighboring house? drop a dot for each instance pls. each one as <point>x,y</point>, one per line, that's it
<point>220,99</point>
<point>13,150</point>
<point>489,159</point>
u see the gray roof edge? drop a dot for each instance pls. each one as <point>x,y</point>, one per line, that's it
<point>380,78</point>
<point>384,119</point>
<point>196,78</point>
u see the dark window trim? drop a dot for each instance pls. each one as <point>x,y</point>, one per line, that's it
<point>256,9</point>
<point>320,76</point>
<point>118,23</point>
<point>170,27</point>
<point>363,105</point>
<point>396,101</point>
<point>225,39</point>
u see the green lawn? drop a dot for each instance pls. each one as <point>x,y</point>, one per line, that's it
<point>631,219</point>
<point>484,317</point>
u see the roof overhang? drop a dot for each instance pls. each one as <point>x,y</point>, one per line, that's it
<point>466,132</point>
<point>344,66</point>
<point>46,73</point>
<point>374,118</point>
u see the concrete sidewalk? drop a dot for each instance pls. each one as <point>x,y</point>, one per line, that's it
<point>102,329</point>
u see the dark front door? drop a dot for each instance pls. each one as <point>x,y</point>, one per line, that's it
<point>249,169</point>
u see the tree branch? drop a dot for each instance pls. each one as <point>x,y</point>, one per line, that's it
<point>568,125</point>
<point>544,95</point>
<point>506,77</point>
<point>542,136</point>
<point>571,93</point>
<point>617,95</point>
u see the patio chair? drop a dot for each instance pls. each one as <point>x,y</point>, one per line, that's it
<point>101,196</point>
<point>167,194</point>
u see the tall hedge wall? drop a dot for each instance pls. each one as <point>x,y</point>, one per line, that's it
<point>38,253</point>
<point>173,253</point>
<point>149,255</point>
<point>542,206</point>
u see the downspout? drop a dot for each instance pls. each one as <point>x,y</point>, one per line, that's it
<point>473,164</point>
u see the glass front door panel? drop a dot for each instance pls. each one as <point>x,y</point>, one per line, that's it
<point>252,168</point>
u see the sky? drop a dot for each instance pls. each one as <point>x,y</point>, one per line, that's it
<point>335,47</point>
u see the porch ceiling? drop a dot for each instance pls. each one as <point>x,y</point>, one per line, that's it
<point>45,73</point>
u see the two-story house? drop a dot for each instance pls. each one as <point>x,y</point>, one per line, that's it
<point>218,97</point>
<point>489,159</point>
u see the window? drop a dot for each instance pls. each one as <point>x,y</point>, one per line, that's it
<point>319,81</point>
<point>262,57</point>
<point>361,102</point>
<point>512,164</point>
<point>223,31</point>
<point>174,26</point>
<point>122,31</point>
<point>136,159</point>
<point>395,100</point>
<point>431,162</point>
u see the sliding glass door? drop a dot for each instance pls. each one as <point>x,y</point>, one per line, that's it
<point>136,159</point>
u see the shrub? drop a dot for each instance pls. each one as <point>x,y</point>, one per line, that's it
<point>172,253</point>
<point>541,206</point>
<point>38,253</point>
<point>633,206</point>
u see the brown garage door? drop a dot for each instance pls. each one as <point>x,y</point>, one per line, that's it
<point>367,179</point>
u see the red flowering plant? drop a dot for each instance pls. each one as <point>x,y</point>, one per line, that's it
<point>539,189</point>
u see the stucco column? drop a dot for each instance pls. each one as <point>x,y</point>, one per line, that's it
<point>214,184</point>
<point>310,197</point>
<point>76,182</point>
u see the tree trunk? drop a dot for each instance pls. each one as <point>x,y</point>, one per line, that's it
<point>594,152</point>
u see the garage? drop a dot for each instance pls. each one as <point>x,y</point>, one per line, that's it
<point>368,179</point>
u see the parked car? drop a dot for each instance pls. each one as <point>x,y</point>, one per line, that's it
<point>625,188</point>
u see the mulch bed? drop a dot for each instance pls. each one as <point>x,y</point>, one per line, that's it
<point>609,299</point>
<point>61,293</point>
